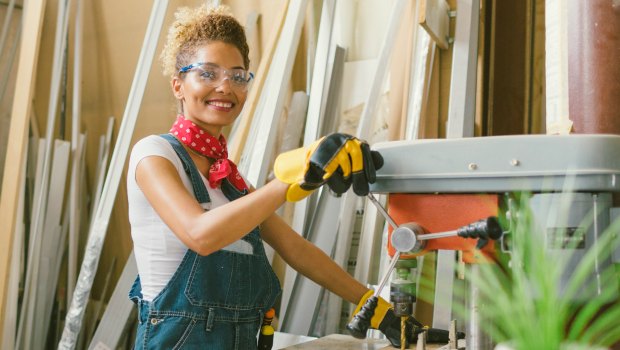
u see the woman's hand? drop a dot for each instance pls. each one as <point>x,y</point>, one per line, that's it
<point>340,160</point>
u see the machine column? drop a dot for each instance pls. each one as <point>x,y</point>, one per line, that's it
<point>593,69</point>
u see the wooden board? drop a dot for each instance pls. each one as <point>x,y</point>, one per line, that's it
<point>400,71</point>
<point>10,321</point>
<point>433,17</point>
<point>423,59</point>
<point>33,19</point>
<point>30,322</point>
<point>256,154</point>
<point>237,142</point>
<point>537,112</point>
<point>52,244</point>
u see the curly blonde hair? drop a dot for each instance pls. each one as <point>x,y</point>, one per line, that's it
<point>194,27</point>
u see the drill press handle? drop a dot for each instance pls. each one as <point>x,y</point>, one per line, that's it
<point>410,237</point>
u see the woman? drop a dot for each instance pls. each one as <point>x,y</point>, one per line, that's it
<point>203,279</point>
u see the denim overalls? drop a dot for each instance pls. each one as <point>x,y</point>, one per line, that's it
<point>211,302</point>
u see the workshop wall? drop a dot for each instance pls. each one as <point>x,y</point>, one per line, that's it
<point>114,31</point>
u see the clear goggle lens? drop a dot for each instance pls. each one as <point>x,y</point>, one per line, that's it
<point>213,75</point>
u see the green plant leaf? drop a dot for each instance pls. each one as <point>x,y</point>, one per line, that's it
<point>522,301</point>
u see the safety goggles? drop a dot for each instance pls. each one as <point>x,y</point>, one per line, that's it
<point>213,75</point>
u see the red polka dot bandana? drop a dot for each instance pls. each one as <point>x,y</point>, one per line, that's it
<point>199,140</point>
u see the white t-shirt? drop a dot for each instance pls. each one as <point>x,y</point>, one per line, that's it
<point>157,249</point>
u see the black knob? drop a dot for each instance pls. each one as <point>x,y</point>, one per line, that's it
<point>361,321</point>
<point>493,228</point>
<point>377,159</point>
<point>485,229</point>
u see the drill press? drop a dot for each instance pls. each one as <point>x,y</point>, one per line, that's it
<point>410,238</point>
<point>451,182</point>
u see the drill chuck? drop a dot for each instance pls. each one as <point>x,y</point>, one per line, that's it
<point>402,296</point>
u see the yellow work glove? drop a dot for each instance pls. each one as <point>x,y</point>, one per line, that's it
<point>337,159</point>
<point>380,310</point>
<point>377,313</point>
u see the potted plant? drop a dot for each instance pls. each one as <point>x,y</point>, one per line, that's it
<point>534,299</point>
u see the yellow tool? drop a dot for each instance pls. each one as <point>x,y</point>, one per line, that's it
<point>265,338</point>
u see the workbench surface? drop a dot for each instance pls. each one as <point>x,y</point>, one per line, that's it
<point>347,342</point>
<point>343,342</point>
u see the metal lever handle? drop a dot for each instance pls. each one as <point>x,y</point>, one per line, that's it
<point>410,238</point>
<point>396,256</point>
<point>361,321</point>
<point>483,230</point>
<point>382,210</point>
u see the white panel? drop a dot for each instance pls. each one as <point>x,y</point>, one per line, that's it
<point>462,108</point>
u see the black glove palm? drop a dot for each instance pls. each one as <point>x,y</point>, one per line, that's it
<point>351,150</point>
<point>390,327</point>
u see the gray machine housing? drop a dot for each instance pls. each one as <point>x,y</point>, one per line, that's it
<point>582,170</point>
<point>536,163</point>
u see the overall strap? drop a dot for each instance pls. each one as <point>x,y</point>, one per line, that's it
<point>200,191</point>
<point>230,191</point>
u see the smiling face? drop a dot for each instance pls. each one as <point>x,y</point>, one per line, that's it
<point>211,106</point>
